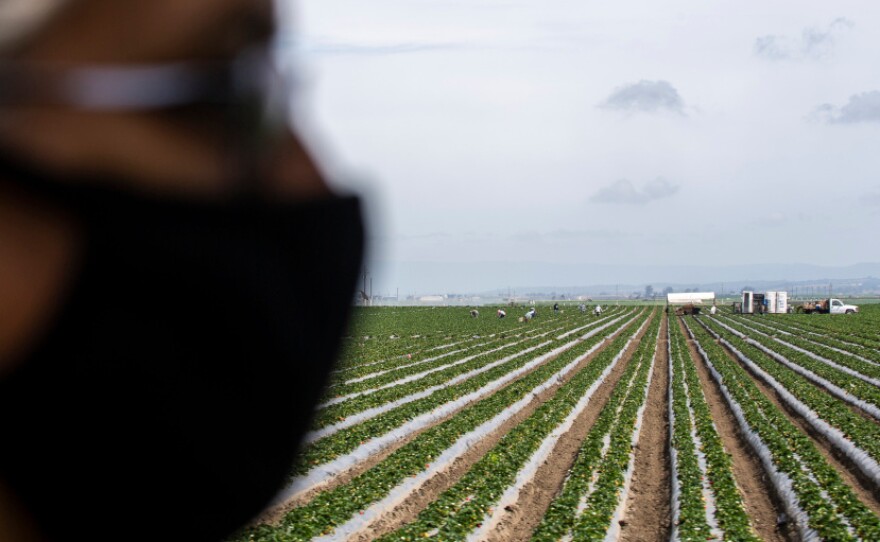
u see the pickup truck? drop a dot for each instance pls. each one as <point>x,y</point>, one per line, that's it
<point>828,306</point>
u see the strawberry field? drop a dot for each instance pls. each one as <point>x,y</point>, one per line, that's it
<point>632,425</point>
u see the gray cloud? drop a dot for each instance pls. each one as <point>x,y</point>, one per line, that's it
<point>773,47</point>
<point>814,43</point>
<point>864,107</point>
<point>624,192</point>
<point>645,96</point>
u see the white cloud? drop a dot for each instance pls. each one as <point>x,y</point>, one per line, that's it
<point>623,192</point>
<point>645,96</point>
<point>814,43</point>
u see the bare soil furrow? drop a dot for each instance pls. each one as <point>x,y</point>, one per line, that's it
<point>649,512</point>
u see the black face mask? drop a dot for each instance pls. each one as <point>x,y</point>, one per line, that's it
<point>167,398</point>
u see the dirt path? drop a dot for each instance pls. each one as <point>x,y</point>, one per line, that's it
<point>759,497</point>
<point>648,513</point>
<point>525,515</point>
<point>863,487</point>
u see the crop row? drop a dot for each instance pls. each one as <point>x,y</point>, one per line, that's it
<point>854,364</point>
<point>466,506</point>
<point>363,359</point>
<point>853,332</point>
<point>844,383</point>
<point>810,340</point>
<point>333,507</point>
<point>864,434</point>
<point>870,369</point>
<point>608,443</point>
<point>328,448</point>
<point>708,497</point>
<point>412,371</point>
<point>391,333</point>
<point>859,329</point>
<point>816,499</point>
<point>388,391</point>
<point>502,370</point>
<point>430,380</point>
<point>428,352</point>
<point>605,504</point>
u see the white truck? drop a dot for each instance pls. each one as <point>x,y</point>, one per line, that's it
<point>828,306</point>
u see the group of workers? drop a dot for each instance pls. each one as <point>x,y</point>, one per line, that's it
<point>532,312</point>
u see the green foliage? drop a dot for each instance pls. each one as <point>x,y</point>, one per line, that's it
<point>863,433</point>
<point>730,512</point>
<point>821,493</point>
<point>460,509</point>
<point>386,345</point>
<point>598,474</point>
<point>332,508</point>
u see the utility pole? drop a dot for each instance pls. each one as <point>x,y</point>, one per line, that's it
<point>364,291</point>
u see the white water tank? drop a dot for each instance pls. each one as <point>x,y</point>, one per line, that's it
<point>777,302</point>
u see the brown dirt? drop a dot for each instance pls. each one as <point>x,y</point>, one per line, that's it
<point>759,497</point>
<point>865,489</point>
<point>648,513</point>
<point>529,508</point>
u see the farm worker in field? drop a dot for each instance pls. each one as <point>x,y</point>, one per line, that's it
<point>556,308</point>
<point>474,313</point>
<point>582,308</point>
<point>713,310</point>
<point>158,220</point>
<point>501,313</point>
<point>531,314</point>
<point>598,310</point>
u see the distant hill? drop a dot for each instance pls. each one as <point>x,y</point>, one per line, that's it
<point>593,279</point>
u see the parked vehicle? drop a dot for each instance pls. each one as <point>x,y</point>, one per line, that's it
<point>690,308</point>
<point>827,306</point>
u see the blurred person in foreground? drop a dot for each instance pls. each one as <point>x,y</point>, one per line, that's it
<point>160,239</point>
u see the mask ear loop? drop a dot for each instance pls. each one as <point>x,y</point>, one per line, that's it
<point>249,90</point>
<point>98,88</point>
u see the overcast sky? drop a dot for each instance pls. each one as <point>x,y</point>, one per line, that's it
<point>571,132</point>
